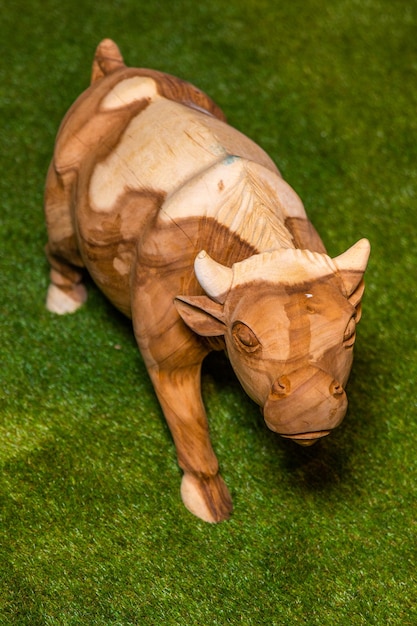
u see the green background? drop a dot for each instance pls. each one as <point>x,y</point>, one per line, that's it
<point>93,530</point>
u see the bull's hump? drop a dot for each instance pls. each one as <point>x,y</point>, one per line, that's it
<point>242,196</point>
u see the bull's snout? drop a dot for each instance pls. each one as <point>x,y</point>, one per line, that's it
<point>305,405</point>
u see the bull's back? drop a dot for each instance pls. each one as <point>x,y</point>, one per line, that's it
<point>134,152</point>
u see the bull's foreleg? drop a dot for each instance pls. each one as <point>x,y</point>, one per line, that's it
<point>66,293</point>
<point>203,490</point>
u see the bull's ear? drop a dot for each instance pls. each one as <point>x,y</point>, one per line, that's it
<point>204,316</point>
<point>356,297</point>
<point>356,300</point>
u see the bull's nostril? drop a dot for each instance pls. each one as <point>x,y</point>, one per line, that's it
<point>336,388</point>
<point>281,387</point>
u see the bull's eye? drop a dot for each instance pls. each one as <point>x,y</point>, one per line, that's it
<point>244,337</point>
<point>349,334</point>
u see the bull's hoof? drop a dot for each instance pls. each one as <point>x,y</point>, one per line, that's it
<point>68,301</point>
<point>207,498</point>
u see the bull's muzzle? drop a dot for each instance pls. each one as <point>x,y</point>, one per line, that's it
<point>305,405</point>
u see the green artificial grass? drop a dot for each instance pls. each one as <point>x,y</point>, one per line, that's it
<point>92,527</point>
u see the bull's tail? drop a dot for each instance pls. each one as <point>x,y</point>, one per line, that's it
<point>107,59</point>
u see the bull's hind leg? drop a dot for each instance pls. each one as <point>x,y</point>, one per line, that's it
<point>66,293</point>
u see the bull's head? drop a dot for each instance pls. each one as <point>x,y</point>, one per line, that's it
<point>288,318</point>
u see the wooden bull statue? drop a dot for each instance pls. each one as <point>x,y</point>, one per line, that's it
<point>188,228</point>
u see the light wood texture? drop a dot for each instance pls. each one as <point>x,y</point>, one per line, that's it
<point>187,226</point>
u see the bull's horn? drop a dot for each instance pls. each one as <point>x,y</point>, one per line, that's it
<point>215,279</point>
<point>352,264</point>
